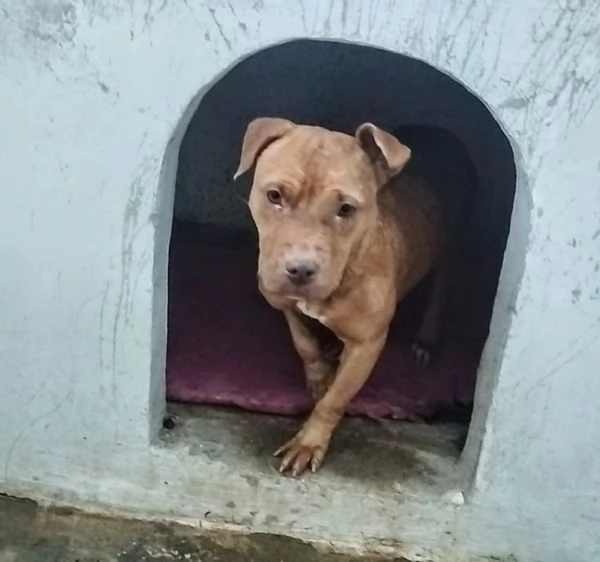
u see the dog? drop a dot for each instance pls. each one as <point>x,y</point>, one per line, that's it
<point>346,230</point>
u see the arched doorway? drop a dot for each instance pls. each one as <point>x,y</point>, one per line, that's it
<point>226,346</point>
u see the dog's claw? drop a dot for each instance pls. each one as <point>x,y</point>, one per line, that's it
<point>421,355</point>
<point>298,456</point>
<point>282,449</point>
<point>285,464</point>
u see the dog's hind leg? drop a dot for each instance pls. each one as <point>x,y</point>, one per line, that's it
<point>429,331</point>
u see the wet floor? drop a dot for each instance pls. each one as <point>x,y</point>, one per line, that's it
<point>29,533</point>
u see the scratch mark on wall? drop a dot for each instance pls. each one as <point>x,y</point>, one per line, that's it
<point>567,355</point>
<point>303,15</point>
<point>240,23</point>
<point>141,267</point>
<point>151,12</point>
<point>37,392</point>
<point>27,428</point>
<point>344,16</point>
<point>515,103</point>
<point>198,22</point>
<point>213,16</point>
<point>131,231</point>
<point>102,339</point>
<point>327,22</point>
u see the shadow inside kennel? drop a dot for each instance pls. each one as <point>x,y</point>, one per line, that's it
<point>226,346</point>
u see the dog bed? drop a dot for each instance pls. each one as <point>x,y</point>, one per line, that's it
<point>227,347</point>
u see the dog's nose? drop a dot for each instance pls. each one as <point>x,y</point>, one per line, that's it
<point>301,272</point>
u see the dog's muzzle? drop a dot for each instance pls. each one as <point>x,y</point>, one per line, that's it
<point>301,272</point>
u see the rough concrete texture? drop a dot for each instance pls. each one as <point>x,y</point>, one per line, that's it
<point>371,455</point>
<point>29,533</point>
<point>94,101</point>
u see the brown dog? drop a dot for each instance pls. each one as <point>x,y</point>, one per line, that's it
<point>343,237</point>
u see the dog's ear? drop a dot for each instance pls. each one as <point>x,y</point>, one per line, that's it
<point>385,150</point>
<point>259,134</point>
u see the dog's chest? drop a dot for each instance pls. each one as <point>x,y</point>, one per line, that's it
<point>305,309</point>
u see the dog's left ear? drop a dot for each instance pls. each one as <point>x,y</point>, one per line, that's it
<point>260,132</point>
<point>385,150</point>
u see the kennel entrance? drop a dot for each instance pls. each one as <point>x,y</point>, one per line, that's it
<point>226,346</point>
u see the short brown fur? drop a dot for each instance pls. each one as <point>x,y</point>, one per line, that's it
<point>306,180</point>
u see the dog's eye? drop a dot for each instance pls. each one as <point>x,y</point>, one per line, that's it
<point>345,210</point>
<point>274,196</point>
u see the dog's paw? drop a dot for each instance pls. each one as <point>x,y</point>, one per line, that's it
<point>421,354</point>
<point>300,454</point>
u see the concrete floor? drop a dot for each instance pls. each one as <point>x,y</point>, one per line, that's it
<point>399,452</point>
<point>30,533</point>
<point>405,460</point>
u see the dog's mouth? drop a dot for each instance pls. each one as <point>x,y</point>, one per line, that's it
<point>298,293</point>
<point>285,289</point>
<point>298,296</point>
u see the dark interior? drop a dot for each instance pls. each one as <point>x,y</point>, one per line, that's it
<point>226,346</point>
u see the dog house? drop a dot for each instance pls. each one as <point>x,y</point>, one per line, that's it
<point>96,101</point>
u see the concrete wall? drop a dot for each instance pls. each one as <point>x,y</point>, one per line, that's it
<point>94,100</point>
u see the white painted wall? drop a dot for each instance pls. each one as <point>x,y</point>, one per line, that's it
<point>92,97</point>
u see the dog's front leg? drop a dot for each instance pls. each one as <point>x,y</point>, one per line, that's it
<point>318,370</point>
<point>309,446</point>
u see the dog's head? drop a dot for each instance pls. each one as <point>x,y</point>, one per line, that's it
<point>314,199</point>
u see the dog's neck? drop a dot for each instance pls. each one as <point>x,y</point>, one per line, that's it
<point>358,264</point>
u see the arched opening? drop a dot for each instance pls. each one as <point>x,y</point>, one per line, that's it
<point>226,346</point>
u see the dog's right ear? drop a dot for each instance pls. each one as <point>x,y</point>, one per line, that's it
<point>259,134</point>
